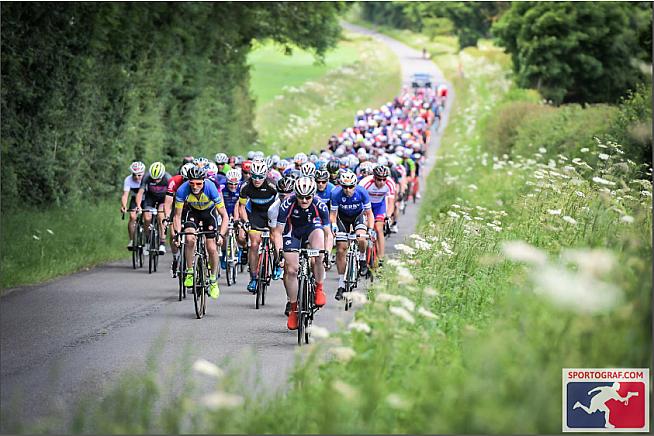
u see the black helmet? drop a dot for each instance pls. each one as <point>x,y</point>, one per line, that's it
<point>322,175</point>
<point>381,171</point>
<point>285,185</point>
<point>333,166</point>
<point>197,173</point>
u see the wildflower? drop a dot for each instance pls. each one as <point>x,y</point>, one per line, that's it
<point>523,252</point>
<point>344,354</point>
<point>580,194</point>
<point>221,400</point>
<point>426,313</point>
<point>584,150</point>
<point>590,262</point>
<point>357,297</point>
<point>404,276</point>
<point>49,231</point>
<point>603,156</point>
<point>359,327</point>
<point>423,245</point>
<point>36,237</point>
<point>542,150</point>
<point>395,401</point>
<point>207,368</point>
<point>318,332</point>
<point>645,193</point>
<point>602,181</point>
<point>347,391</point>
<point>402,313</point>
<point>393,261</point>
<point>404,248</point>
<point>472,187</point>
<point>627,219</point>
<point>569,219</point>
<point>452,214</point>
<point>554,211</point>
<point>416,237</point>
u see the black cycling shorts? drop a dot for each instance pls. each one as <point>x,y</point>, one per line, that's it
<point>258,221</point>
<point>151,202</point>
<point>193,217</point>
<point>349,224</point>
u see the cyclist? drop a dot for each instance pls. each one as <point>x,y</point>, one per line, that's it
<point>246,167</point>
<point>333,167</point>
<point>262,195</point>
<point>302,220</point>
<point>174,184</point>
<point>300,159</point>
<point>202,201</point>
<point>132,184</point>
<point>153,188</point>
<point>231,195</point>
<point>222,162</point>
<point>284,189</point>
<point>381,190</point>
<point>350,209</point>
<point>324,192</point>
<point>308,169</point>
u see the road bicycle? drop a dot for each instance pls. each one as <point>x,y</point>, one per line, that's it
<point>372,259</point>
<point>264,268</point>
<point>181,264</point>
<point>306,292</point>
<point>351,267</point>
<point>387,227</point>
<point>139,240</point>
<point>153,251</point>
<point>201,271</point>
<point>231,253</point>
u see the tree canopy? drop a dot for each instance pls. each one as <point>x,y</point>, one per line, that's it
<point>88,87</point>
<point>577,51</point>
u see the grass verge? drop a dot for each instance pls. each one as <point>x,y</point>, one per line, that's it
<point>41,244</point>
<point>302,118</point>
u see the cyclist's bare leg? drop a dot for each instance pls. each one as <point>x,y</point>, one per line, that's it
<point>317,242</point>
<point>189,247</point>
<point>253,254</point>
<point>362,242</point>
<point>341,249</point>
<point>131,225</point>
<point>147,219</point>
<point>160,217</point>
<point>379,228</point>
<point>291,266</point>
<point>212,249</point>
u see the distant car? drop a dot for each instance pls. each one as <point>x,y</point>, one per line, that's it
<point>421,80</point>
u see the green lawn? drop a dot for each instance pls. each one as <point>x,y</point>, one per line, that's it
<point>271,70</point>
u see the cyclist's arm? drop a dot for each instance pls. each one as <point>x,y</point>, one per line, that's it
<point>168,202</point>
<point>225,220</point>
<point>139,197</point>
<point>123,200</point>
<point>371,219</point>
<point>177,219</point>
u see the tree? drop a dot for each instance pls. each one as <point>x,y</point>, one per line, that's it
<point>584,52</point>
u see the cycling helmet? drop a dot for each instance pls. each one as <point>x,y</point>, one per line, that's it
<point>221,158</point>
<point>348,178</point>
<point>233,176</point>
<point>259,168</point>
<point>212,169</point>
<point>201,161</point>
<point>197,173</point>
<point>275,158</point>
<point>408,152</point>
<point>282,164</point>
<point>313,158</point>
<point>157,170</point>
<point>137,167</point>
<point>333,166</point>
<point>250,154</point>
<point>340,151</point>
<point>246,166</point>
<point>381,171</point>
<point>322,175</point>
<point>366,169</point>
<point>354,161</point>
<point>300,158</point>
<point>285,185</point>
<point>259,155</point>
<point>184,170</point>
<point>294,174</point>
<point>305,186</point>
<point>238,160</point>
<point>308,169</point>
<point>269,162</point>
<point>383,160</point>
<point>344,162</point>
<point>416,156</point>
<point>187,159</point>
<point>325,155</point>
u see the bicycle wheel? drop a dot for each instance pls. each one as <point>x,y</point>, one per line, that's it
<point>198,286</point>
<point>301,310</point>
<point>261,278</point>
<point>181,272</point>
<point>135,256</point>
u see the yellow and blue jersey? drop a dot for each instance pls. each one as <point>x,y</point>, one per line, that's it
<point>208,198</point>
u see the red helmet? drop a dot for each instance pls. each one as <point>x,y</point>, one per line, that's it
<point>246,166</point>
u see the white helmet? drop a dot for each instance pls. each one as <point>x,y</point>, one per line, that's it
<point>250,154</point>
<point>137,167</point>
<point>354,161</point>
<point>300,158</point>
<point>348,178</point>
<point>212,169</point>
<point>308,170</point>
<point>233,176</point>
<point>259,168</point>
<point>305,186</point>
<point>275,158</point>
<point>221,158</point>
<point>184,170</point>
<point>259,154</point>
<point>282,164</point>
<point>382,160</point>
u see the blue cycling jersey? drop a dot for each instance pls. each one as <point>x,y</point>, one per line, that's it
<point>295,219</point>
<point>231,198</point>
<point>208,198</point>
<point>220,180</point>
<point>326,195</point>
<point>350,206</point>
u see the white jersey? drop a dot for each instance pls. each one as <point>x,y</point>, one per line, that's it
<point>273,211</point>
<point>377,195</point>
<point>131,185</point>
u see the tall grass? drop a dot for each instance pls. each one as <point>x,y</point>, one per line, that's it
<point>40,244</point>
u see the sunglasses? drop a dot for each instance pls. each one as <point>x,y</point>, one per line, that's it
<point>195,182</point>
<point>380,179</point>
<point>232,183</point>
<point>321,181</point>
<point>257,177</point>
<point>305,197</point>
<point>348,187</point>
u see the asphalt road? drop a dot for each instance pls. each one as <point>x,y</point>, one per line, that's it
<point>78,334</point>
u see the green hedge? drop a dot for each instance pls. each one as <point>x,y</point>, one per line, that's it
<point>88,87</point>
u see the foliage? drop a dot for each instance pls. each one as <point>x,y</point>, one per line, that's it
<point>576,52</point>
<point>88,87</point>
<point>633,125</point>
<point>469,21</point>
